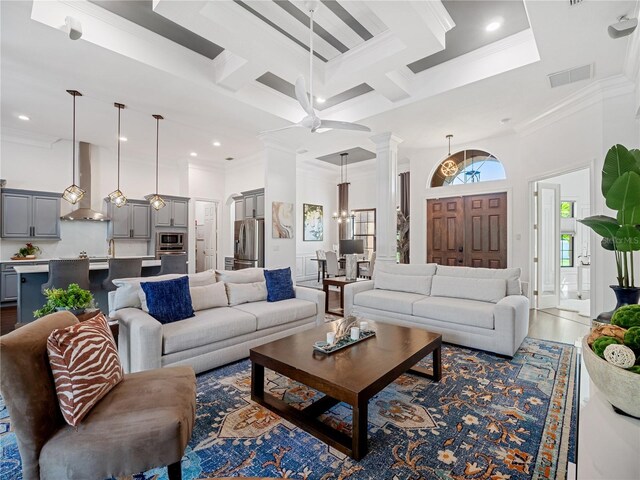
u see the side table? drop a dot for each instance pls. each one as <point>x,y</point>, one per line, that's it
<point>339,282</point>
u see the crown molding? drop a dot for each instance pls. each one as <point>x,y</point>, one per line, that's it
<point>25,137</point>
<point>590,95</point>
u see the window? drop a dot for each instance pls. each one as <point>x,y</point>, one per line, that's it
<point>468,166</point>
<point>364,227</point>
<point>567,210</point>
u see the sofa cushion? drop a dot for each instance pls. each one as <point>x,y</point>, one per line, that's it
<point>387,300</point>
<point>421,269</point>
<point>238,293</point>
<point>200,279</point>
<point>271,314</point>
<point>456,310</point>
<point>85,365</point>
<point>481,289</point>
<point>167,301</point>
<point>279,284</point>
<point>403,283</point>
<point>246,275</point>
<point>511,275</point>
<point>128,292</point>
<point>209,296</point>
<point>206,327</point>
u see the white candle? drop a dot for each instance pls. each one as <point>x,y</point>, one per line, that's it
<point>355,333</point>
<point>364,326</point>
<point>331,337</point>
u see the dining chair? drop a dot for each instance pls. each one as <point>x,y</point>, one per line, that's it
<point>175,263</point>
<point>63,273</point>
<point>366,270</point>
<point>122,268</point>
<point>321,257</point>
<point>332,265</point>
<point>125,433</point>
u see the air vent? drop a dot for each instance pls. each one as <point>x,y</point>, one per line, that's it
<point>228,159</point>
<point>570,76</point>
<point>574,2</point>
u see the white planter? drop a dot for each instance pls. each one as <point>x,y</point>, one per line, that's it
<point>620,387</point>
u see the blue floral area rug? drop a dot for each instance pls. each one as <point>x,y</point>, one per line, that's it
<point>488,418</point>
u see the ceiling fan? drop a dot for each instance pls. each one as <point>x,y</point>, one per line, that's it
<point>312,121</point>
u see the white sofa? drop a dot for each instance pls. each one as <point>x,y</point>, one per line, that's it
<point>214,336</point>
<point>475,307</point>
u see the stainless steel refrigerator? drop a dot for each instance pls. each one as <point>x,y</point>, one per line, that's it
<point>248,243</point>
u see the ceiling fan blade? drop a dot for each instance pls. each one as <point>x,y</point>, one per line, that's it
<point>282,128</point>
<point>301,95</point>
<point>343,125</point>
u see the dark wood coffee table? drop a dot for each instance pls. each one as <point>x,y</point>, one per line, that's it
<point>352,375</point>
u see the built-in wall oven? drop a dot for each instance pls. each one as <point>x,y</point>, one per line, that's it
<point>168,243</point>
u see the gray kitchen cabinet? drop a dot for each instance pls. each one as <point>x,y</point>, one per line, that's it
<point>27,214</point>
<point>239,209</point>
<point>141,220</point>
<point>132,220</point>
<point>250,206</point>
<point>260,205</point>
<point>9,286</point>
<point>174,214</point>
<point>180,213</point>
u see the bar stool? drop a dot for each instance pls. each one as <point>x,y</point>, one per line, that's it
<point>122,268</point>
<point>174,263</point>
<point>62,273</point>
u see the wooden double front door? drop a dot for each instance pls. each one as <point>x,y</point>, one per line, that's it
<point>468,231</point>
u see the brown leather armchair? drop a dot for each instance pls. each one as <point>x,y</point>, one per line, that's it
<point>143,422</point>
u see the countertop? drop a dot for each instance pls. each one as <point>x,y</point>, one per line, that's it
<point>91,259</point>
<point>98,265</point>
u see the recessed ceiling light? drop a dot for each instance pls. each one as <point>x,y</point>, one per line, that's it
<point>493,26</point>
<point>320,100</point>
<point>216,144</point>
<point>228,159</point>
<point>123,139</point>
<point>504,121</point>
<point>24,118</point>
<point>193,154</point>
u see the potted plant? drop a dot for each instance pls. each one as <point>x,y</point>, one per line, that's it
<point>621,190</point>
<point>28,251</point>
<point>73,299</point>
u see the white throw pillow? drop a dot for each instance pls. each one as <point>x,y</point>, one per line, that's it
<point>208,296</point>
<point>403,283</point>
<point>128,291</point>
<point>239,293</point>
<point>201,279</point>
<point>246,275</point>
<point>482,289</point>
<point>511,275</point>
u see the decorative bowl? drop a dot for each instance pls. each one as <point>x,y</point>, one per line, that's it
<point>619,386</point>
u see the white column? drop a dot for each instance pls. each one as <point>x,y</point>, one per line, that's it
<point>387,188</point>
<point>279,186</point>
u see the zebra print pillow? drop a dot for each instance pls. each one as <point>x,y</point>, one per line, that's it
<point>85,365</point>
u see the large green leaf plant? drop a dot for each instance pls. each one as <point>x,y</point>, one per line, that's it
<point>621,190</point>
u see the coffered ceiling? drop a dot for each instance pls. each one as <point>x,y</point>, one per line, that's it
<point>224,70</point>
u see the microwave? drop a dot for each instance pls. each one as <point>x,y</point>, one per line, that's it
<point>168,241</point>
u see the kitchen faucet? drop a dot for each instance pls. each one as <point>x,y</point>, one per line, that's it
<point>111,251</point>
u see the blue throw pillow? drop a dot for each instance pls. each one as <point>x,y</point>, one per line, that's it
<point>279,284</point>
<point>168,301</point>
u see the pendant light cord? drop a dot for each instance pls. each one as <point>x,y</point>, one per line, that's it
<point>119,109</point>
<point>74,139</point>
<point>157,147</point>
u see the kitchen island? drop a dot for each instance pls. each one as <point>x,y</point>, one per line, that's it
<point>31,277</point>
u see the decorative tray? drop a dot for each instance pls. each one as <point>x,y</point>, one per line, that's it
<point>23,258</point>
<point>344,342</point>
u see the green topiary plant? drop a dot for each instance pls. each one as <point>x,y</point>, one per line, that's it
<point>632,339</point>
<point>603,342</point>
<point>635,369</point>
<point>73,298</point>
<point>627,316</point>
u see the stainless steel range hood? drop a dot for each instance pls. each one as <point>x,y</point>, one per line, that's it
<point>84,210</point>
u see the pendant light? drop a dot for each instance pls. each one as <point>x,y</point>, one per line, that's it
<point>117,197</point>
<point>74,193</point>
<point>449,167</point>
<point>342,216</point>
<point>156,200</point>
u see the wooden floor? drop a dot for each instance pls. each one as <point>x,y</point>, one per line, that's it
<point>551,324</point>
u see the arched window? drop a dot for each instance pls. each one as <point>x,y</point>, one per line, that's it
<point>468,166</point>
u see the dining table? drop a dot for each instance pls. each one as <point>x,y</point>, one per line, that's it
<point>341,262</point>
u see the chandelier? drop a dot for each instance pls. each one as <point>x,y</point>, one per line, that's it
<point>449,167</point>
<point>343,215</point>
